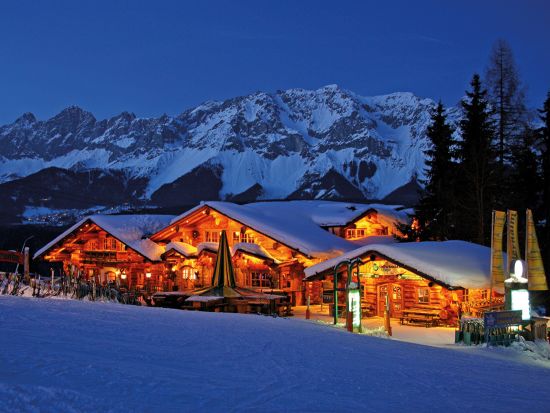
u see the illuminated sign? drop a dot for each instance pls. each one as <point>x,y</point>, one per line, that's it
<point>386,267</point>
<point>354,306</point>
<point>520,302</point>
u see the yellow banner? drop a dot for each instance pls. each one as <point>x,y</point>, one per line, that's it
<point>512,242</point>
<point>497,259</point>
<point>535,268</point>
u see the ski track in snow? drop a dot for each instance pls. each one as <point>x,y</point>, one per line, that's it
<point>71,356</point>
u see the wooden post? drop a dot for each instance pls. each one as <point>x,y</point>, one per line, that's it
<point>349,319</point>
<point>387,323</point>
<point>26,276</point>
<point>308,313</point>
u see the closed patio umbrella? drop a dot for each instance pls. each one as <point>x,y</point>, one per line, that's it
<point>224,275</point>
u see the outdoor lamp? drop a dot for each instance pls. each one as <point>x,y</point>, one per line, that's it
<point>148,274</point>
<point>519,268</point>
<point>123,275</point>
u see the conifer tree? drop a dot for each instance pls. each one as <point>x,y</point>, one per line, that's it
<point>476,174</point>
<point>524,178</point>
<point>435,209</point>
<point>545,155</point>
<point>506,97</point>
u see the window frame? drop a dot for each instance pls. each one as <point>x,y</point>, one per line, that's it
<point>262,279</point>
<point>208,235</point>
<point>423,293</point>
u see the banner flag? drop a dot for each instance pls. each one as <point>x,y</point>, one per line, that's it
<point>497,259</point>
<point>512,242</point>
<point>535,268</point>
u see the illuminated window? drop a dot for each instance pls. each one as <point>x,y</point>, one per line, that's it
<point>484,294</point>
<point>187,273</point>
<point>261,279</point>
<point>240,237</point>
<point>423,295</point>
<point>212,236</point>
<point>355,233</point>
<point>113,244</point>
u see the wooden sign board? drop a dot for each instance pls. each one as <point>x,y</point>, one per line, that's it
<point>500,319</point>
<point>11,256</point>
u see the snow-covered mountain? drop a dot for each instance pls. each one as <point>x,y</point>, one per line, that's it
<point>325,143</point>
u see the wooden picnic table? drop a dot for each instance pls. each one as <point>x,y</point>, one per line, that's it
<point>429,317</point>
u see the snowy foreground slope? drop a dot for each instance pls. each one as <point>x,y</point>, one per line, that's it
<point>67,356</point>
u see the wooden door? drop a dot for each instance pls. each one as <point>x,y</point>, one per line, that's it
<point>395,294</point>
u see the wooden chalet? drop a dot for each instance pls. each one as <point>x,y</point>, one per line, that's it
<point>109,248</point>
<point>422,280</point>
<point>271,243</point>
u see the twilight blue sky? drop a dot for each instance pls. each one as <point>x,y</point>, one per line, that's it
<point>154,57</point>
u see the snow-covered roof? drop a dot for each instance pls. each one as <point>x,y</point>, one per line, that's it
<point>253,249</point>
<point>297,224</point>
<point>185,249</point>
<point>328,213</point>
<point>453,263</point>
<point>128,229</point>
<point>208,246</point>
<point>334,213</point>
<point>374,239</point>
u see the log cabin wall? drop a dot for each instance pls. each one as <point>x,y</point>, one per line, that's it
<point>406,290</point>
<point>93,254</point>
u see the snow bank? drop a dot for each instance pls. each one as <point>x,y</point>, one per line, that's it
<point>69,356</point>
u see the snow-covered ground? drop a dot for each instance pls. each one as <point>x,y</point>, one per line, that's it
<point>71,356</point>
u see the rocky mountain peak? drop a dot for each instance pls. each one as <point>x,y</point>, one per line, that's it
<point>26,119</point>
<point>328,142</point>
<point>73,116</point>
